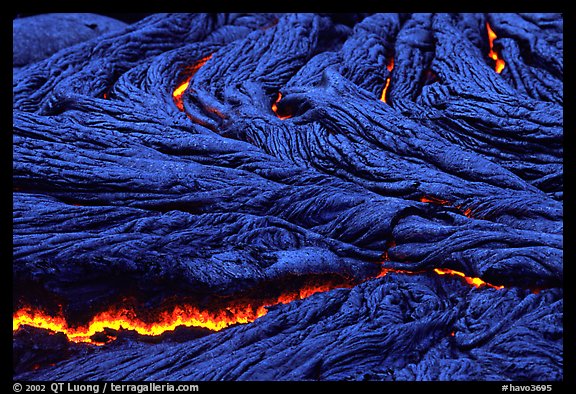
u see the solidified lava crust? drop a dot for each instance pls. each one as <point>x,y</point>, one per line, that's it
<point>289,197</point>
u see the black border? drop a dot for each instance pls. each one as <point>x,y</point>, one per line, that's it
<point>123,12</point>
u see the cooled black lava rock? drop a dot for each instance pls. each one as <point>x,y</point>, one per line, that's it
<point>35,348</point>
<point>120,189</point>
<point>37,37</point>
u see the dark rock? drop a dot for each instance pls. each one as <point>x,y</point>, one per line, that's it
<point>35,349</point>
<point>38,37</point>
<point>280,164</point>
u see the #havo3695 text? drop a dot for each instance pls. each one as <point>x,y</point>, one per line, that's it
<point>526,387</point>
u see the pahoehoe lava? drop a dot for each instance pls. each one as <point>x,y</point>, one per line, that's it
<point>289,197</point>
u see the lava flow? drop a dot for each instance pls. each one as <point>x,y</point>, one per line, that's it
<point>179,316</point>
<point>438,201</point>
<point>499,66</point>
<point>433,200</point>
<point>188,315</point>
<point>390,67</point>
<point>179,91</point>
<point>275,108</point>
<point>116,319</point>
<point>476,282</point>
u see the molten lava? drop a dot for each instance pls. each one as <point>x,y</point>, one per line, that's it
<point>183,315</point>
<point>499,66</point>
<point>386,271</point>
<point>438,201</point>
<point>116,319</point>
<point>188,315</point>
<point>433,200</point>
<point>476,282</point>
<point>232,312</point>
<point>275,107</point>
<point>390,67</point>
<point>383,97</point>
<point>179,91</point>
<point>467,212</point>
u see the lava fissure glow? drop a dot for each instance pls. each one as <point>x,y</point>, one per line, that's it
<point>117,319</point>
<point>180,316</point>
<point>275,108</point>
<point>385,90</point>
<point>180,89</point>
<point>493,54</point>
<point>476,282</point>
<point>434,200</point>
<point>188,315</point>
<point>390,67</point>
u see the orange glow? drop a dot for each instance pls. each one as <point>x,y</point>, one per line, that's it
<point>493,54</point>
<point>467,212</point>
<point>117,319</point>
<point>386,271</point>
<point>452,333</point>
<point>275,108</point>
<point>184,315</point>
<point>383,97</point>
<point>189,315</point>
<point>390,65</point>
<point>433,200</point>
<point>389,244</point>
<point>179,91</point>
<point>476,282</point>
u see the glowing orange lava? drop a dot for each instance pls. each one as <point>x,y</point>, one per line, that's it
<point>433,200</point>
<point>179,91</point>
<point>390,67</point>
<point>476,282</point>
<point>493,54</point>
<point>116,319</point>
<point>467,212</point>
<point>188,315</point>
<point>183,315</point>
<point>234,312</point>
<point>383,97</point>
<point>386,271</point>
<point>275,108</point>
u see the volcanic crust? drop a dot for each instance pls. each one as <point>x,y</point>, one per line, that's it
<point>331,176</point>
